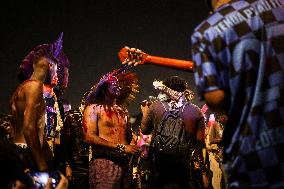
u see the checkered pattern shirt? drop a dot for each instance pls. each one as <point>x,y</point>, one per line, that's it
<point>240,49</point>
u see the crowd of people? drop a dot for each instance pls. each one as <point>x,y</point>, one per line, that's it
<point>233,141</point>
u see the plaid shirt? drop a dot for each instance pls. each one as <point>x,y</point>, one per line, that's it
<point>240,49</point>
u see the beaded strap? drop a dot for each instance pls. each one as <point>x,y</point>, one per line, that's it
<point>120,149</point>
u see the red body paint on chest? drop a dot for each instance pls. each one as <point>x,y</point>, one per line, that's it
<point>110,114</point>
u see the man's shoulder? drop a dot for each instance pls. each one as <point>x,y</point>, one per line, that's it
<point>27,86</point>
<point>158,105</point>
<point>203,26</point>
<point>210,24</point>
<point>190,107</point>
<point>232,14</point>
<point>31,84</point>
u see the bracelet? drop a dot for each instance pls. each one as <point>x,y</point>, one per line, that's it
<point>120,149</point>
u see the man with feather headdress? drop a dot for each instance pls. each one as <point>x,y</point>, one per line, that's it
<point>44,65</point>
<point>106,126</point>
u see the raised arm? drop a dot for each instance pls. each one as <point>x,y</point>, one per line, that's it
<point>147,123</point>
<point>200,137</point>
<point>33,98</point>
<point>214,133</point>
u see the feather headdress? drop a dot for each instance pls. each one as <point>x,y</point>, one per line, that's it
<point>125,79</point>
<point>53,51</point>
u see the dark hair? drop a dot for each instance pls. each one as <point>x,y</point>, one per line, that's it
<point>52,51</point>
<point>97,94</point>
<point>127,81</point>
<point>176,83</point>
<point>26,67</point>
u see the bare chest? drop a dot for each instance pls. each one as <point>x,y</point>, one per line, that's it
<point>112,119</point>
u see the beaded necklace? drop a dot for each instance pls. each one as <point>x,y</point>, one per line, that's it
<point>53,120</point>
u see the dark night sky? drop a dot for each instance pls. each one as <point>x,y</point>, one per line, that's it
<point>94,31</point>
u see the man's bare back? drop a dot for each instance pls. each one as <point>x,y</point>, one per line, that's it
<point>18,105</point>
<point>28,111</point>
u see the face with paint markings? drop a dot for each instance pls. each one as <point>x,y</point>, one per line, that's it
<point>113,86</point>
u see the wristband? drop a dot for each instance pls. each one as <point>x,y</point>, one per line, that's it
<point>120,149</point>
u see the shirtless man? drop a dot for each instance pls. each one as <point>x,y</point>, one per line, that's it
<point>28,110</point>
<point>28,105</point>
<point>106,126</point>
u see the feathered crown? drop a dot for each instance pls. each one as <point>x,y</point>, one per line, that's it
<point>126,80</point>
<point>53,51</point>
